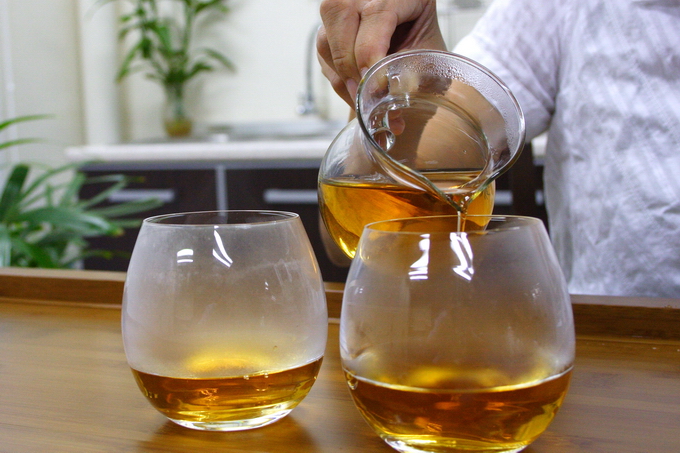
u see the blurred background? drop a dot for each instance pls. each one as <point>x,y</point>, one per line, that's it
<point>60,57</point>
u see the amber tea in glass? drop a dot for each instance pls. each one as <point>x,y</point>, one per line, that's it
<point>457,341</point>
<point>224,317</point>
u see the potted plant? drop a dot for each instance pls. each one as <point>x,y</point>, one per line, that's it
<point>43,223</point>
<point>163,49</point>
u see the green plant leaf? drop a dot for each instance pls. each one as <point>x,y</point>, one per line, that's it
<point>127,62</point>
<point>112,178</point>
<point>5,124</point>
<point>21,119</point>
<point>198,67</point>
<point>34,256</point>
<point>162,31</point>
<point>70,219</point>
<point>44,224</point>
<point>226,62</point>
<point>127,208</point>
<point>163,49</point>
<point>50,237</point>
<point>5,246</point>
<point>146,48</point>
<point>11,195</point>
<point>127,223</point>
<point>119,182</point>
<point>19,141</point>
<point>212,4</point>
<point>70,193</point>
<point>124,31</point>
<point>41,181</point>
<point>106,254</point>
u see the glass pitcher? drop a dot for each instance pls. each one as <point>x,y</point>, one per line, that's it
<point>432,131</point>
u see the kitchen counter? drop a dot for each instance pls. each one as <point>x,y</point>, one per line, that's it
<point>182,151</point>
<point>248,142</point>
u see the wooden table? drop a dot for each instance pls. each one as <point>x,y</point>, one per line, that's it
<point>65,385</point>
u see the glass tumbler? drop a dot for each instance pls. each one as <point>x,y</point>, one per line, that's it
<point>224,317</point>
<point>457,341</point>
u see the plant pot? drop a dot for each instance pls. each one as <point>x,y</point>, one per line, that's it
<point>177,121</point>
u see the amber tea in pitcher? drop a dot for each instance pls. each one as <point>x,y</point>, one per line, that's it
<point>349,206</point>
<point>426,141</point>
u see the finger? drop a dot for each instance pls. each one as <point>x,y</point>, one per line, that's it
<point>378,23</point>
<point>391,25</point>
<point>341,23</point>
<point>396,122</point>
<point>337,83</point>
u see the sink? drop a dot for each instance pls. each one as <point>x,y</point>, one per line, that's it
<point>289,130</point>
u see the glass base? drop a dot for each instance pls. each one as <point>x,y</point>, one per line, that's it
<point>233,425</point>
<point>451,446</point>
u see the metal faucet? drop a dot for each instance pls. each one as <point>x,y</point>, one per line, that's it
<point>307,105</point>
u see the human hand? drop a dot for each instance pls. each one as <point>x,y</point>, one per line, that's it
<point>357,33</point>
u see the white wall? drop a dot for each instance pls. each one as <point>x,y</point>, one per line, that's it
<point>41,75</point>
<point>60,57</point>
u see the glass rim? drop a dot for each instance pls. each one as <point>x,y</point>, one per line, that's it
<point>407,53</point>
<point>525,221</point>
<point>165,220</point>
<point>416,52</point>
<point>509,97</point>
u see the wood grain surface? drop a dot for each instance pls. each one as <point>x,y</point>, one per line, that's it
<point>65,385</point>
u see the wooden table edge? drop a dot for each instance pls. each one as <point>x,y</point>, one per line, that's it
<point>636,317</point>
